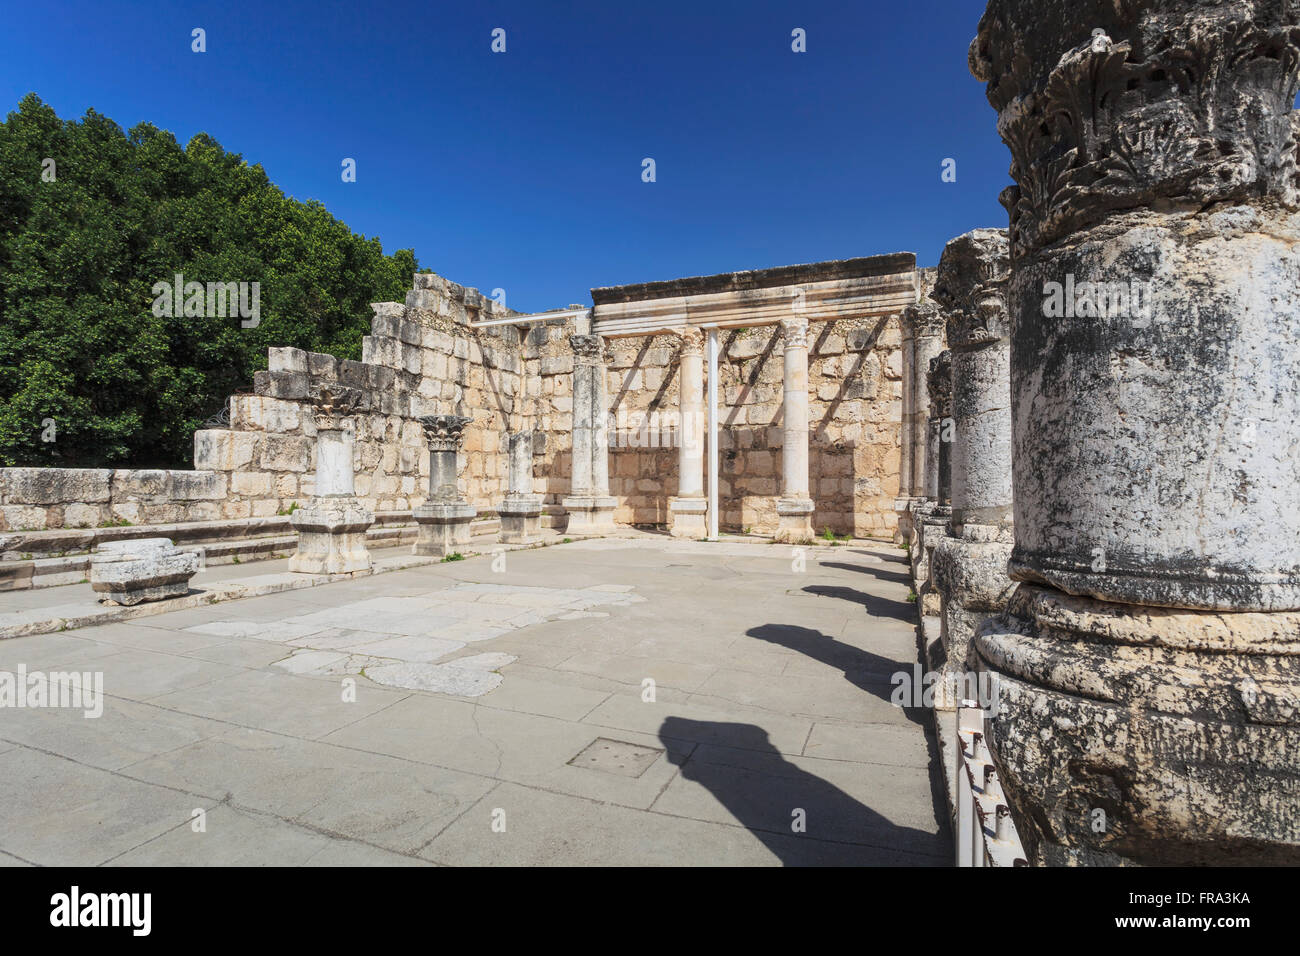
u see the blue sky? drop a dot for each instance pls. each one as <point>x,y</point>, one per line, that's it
<point>522,170</point>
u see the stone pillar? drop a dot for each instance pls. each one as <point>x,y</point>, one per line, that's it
<point>1149,669</point>
<point>923,324</point>
<point>934,522</point>
<point>332,526</point>
<point>688,509</point>
<point>444,517</point>
<point>969,564</point>
<point>907,434</point>
<point>589,505</point>
<point>795,506</point>
<point>521,511</point>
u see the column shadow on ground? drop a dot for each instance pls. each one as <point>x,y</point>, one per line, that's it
<point>865,670</point>
<point>766,794</point>
<point>875,605</point>
<point>884,574</point>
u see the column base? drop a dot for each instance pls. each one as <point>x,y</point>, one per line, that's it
<point>689,517</point>
<point>521,519</point>
<point>444,527</point>
<point>590,515</point>
<point>933,529</point>
<point>971,580</point>
<point>794,521</point>
<point>331,536</point>
<point>1129,734</point>
<point>146,569</point>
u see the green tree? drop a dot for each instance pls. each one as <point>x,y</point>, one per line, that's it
<point>84,240</point>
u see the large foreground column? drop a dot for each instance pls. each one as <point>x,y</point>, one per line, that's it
<point>589,505</point>
<point>970,561</point>
<point>521,510</point>
<point>689,507</point>
<point>1149,673</point>
<point>332,526</point>
<point>445,516</point>
<point>795,506</point>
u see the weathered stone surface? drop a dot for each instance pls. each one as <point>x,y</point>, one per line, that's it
<point>139,570</point>
<point>1155,403</point>
<point>1180,726</point>
<point>50,486</point>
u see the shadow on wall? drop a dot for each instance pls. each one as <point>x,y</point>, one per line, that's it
<point>770,797</point>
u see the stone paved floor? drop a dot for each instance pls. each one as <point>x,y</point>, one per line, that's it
<point>466,714</point>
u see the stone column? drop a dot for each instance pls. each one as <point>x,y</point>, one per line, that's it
<point>1149,668</point>
<point>969,564</point>
<point>521,510</point>
<point>444,517</point>
<point>907,433</point>
<point>795,506</point>
<point>934,522</point>
<point>589,505</point>
<point>688,509</point>
<point>924,323</point>
<point>332,526</point>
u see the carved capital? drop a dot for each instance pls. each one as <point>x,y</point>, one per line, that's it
<point>794,332</point>
<point>1109,105</point>
<point>924,320</point>
<point>333,405</point>
<point>939,381</point>
<point>971,287</point>
<point>444,432</point>
<point>690,340</point>
<point>588,349</point>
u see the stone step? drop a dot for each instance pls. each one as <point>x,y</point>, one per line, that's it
<point>215,540</point>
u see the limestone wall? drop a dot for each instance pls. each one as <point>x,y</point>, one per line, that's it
<point>855,378</point>
<point>33,499</point>
<point>422,358</point>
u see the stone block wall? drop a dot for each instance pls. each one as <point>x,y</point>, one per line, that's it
<point>422,358</point>
<point>855,377</point>
<point>33,499</point>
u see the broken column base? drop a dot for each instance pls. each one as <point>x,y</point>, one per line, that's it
<point>331,536</point>
<point>146,569</point>
<point>443,527</point>
<point>688,517</point>
<point>1136,734</point>
<point>794,521</point>
<point>970,577</point>
<point>521,519</point>
<point>589,515</point>
<point>903,531</point>
<point>933,530</point>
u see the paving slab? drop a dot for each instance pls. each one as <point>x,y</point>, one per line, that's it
<point>381,720</point>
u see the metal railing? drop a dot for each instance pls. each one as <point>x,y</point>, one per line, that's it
<point>985,833</point>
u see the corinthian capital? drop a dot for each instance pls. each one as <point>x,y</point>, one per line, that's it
<point>971,287</point>
<point>1109,105</point>
<point>588,349</point>
<point>690,339</point>
<point>444,432</point>
<point>794,332</point>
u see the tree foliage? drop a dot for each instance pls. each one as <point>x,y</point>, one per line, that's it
<point>83,242</point>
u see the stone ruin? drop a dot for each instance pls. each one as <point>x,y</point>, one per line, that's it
<point>1147,661</point>
<point>1084,428</point>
